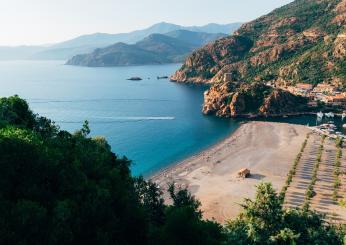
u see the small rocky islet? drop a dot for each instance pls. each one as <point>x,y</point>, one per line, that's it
<point>134,79</point>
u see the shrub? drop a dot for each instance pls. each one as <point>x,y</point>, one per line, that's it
<point>265,221</point>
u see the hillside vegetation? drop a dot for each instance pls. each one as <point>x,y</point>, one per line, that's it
<point>303,41</point>
<point>63,188</point>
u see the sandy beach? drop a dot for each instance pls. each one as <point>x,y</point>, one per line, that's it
<point>268,149</point>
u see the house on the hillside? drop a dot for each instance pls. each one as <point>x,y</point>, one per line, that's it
<point>302,89</point>
<point>325,89</point>
<point>336,100</point>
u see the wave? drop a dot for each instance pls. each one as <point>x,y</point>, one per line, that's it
<point>43,101</point>
<point>118,120</point>
<point>137,118</point>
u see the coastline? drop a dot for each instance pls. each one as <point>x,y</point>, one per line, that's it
<point>169,168</point>
<point>268,149</point>
<point>283,115</point>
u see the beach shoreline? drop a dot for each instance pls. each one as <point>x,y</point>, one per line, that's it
<point>268,149</point>
<point>179,163</point>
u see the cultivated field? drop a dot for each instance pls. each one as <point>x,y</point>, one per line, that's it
<point>318,170</point>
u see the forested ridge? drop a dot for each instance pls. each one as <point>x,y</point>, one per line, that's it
<point>301,42</point>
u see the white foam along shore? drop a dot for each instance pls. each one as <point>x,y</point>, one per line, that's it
<point>137,118</point>
<point>268,149</point>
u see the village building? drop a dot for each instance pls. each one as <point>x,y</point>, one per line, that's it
<point>229,77</point>
<point>336,100</point>
<point>325,89</point>
<point>302,89</point>
<point>270,84</point>
<point>312,103</point>
<point>319,97</point>
<point>325,93</point>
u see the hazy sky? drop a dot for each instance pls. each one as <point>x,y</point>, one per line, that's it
<point>49,21</point>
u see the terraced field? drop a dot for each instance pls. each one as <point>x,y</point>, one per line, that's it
<point>323,185</point>
<point>323,201</point>
<point>295,195</point>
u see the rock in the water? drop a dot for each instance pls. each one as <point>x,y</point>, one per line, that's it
<point>135,79</point>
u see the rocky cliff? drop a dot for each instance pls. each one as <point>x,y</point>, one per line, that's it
<point>242,99</point>
<point>304,41</point>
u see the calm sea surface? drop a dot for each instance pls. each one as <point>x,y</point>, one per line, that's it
<point>153,122</point>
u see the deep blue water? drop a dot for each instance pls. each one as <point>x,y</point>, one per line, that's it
<point>153,122</point>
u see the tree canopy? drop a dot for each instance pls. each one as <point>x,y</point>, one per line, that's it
<point>265,221</point>
<point>63,188</point>
<point>58,187</point>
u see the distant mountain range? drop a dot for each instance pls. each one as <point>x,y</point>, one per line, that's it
<point>88,43</point>
<point>155,49</point>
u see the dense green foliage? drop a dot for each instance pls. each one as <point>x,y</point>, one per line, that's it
<point>264,221</point>
<point>306,63</point>
<point>295,43</point>
<point>63,188</point>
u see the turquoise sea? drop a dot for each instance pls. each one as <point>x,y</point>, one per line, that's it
<point>153,122</point>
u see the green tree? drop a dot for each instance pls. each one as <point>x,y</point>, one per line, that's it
<point>264,221</point>
<point>15,111</point>
<point>184,224</point>
<point>66,190</point>
<point>62,188</point>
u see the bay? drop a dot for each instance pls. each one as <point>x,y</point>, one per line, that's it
<point>153,122</point>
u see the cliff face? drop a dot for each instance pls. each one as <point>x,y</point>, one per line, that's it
<point>304,41</point>
<point>233,100</point>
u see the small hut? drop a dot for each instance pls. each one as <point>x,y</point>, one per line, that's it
<point>244,173</point>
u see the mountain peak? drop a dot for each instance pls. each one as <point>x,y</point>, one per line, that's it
<point>153,49</point>
<point>88,43</point>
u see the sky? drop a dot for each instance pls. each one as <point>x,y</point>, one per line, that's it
<point>33,22</point>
